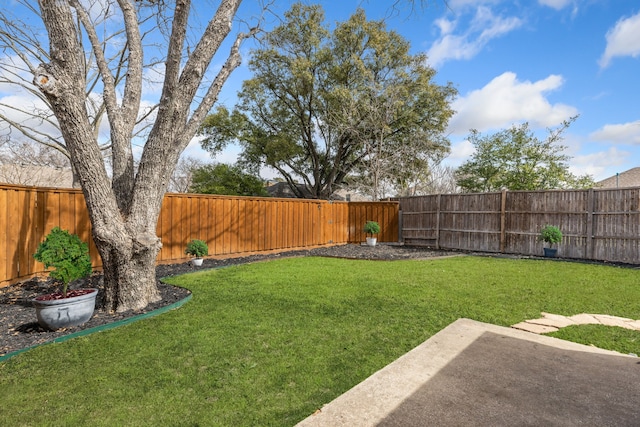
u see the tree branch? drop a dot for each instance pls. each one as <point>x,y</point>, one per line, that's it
<point>232,62</point>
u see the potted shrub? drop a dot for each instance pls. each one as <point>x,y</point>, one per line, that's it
<point>551,235</point>
<point>69,257</point>
<point>197,248</point>
<point>371,228</point>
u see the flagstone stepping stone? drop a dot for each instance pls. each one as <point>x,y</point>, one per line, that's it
<point>550,322</point>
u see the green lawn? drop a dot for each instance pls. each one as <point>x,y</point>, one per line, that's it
<point>267,344</point>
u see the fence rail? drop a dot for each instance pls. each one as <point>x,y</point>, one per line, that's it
<point>229,225</point>
<point>597,224</point>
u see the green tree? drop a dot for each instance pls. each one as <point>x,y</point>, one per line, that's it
<point>515,159</point>
<point>226,179</point>
<point>322,104</point>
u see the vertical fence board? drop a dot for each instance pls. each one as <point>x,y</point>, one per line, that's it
<point>339,222</point>
<point>21,231</point>
<point>13,233</point>
<point>32,222</point>
<point>213,219</point>
<point>176,227</point>
<point>257,228</point>
<point>39,218</point>
<point>224,226</point>
<point>5,249</point>
<point>304,212</point>
<point>288,219</point>
<point>202,220</point>
<point>296,234</point>
<point>327,219</point>
<point>242,226</point>
<point>51,213</point>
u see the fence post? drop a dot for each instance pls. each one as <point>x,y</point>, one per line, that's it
<point>503,214</point>
<point>438,200</point>
<point>590,207</point>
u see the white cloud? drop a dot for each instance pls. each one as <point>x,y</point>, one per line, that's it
<point>153,81</point>
<point>23,110</point>
<point>460,152</point>
<point>445,26</point>
<point>506,100</point>
<point>556,4</point>
<point>14,75</point>
<point>229,156</point>
<point>600,165</point>
<point>484,27</point>
<point>622,40</point>
<point>623,133</point>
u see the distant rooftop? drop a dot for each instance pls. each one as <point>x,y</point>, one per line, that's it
<point>630,178</point>
<point>282,189</point>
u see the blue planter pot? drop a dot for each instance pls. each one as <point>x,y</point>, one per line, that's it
<point>66,312</point>
<point>550,253</point>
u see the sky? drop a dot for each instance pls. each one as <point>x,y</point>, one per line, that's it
<point>535,61</point>
<point>512,61</point>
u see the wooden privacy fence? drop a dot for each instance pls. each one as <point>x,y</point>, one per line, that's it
<point>597,224</point>
<point>229,225</point>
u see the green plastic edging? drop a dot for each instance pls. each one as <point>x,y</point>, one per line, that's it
<point>114,324</point>
<point>102,327</point>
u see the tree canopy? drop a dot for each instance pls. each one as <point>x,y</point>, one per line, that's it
<point>324,104</point>
<point>226,179</point>
<point>515,159</point>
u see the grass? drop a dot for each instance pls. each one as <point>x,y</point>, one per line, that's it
<point>269,343</point>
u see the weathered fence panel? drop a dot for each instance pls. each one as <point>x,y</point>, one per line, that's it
<point>527,212</point>
<point>229,225</point>
<point>597,224</point>
<point>420,217</point>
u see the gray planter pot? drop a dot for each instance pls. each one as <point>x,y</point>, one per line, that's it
<point>66,312</point>
<point>550,253</point>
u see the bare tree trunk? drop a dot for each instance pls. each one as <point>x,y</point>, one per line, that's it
<point>134,272</point>
<point>124,210</point>
<point>75,179</point>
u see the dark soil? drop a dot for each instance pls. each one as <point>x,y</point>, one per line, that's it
<point>19,328</point>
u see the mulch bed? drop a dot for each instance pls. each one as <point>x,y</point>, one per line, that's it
<point>19,328</point>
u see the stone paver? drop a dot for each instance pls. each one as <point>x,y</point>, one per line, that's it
<point>558,317</point>
<point>613,320</point>
<point>584,319</point>
<point>635,325</point>
<point>532,327</point>
<point>555,320</point>
<point>552,322</point>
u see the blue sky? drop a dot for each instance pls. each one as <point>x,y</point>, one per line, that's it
<point>539,61</point>
<point>515,61</point>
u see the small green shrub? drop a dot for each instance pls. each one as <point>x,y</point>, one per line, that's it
<point>550,234</point>
<point>67,254</point>
<point>371,227</point>
<point>197,248</point>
